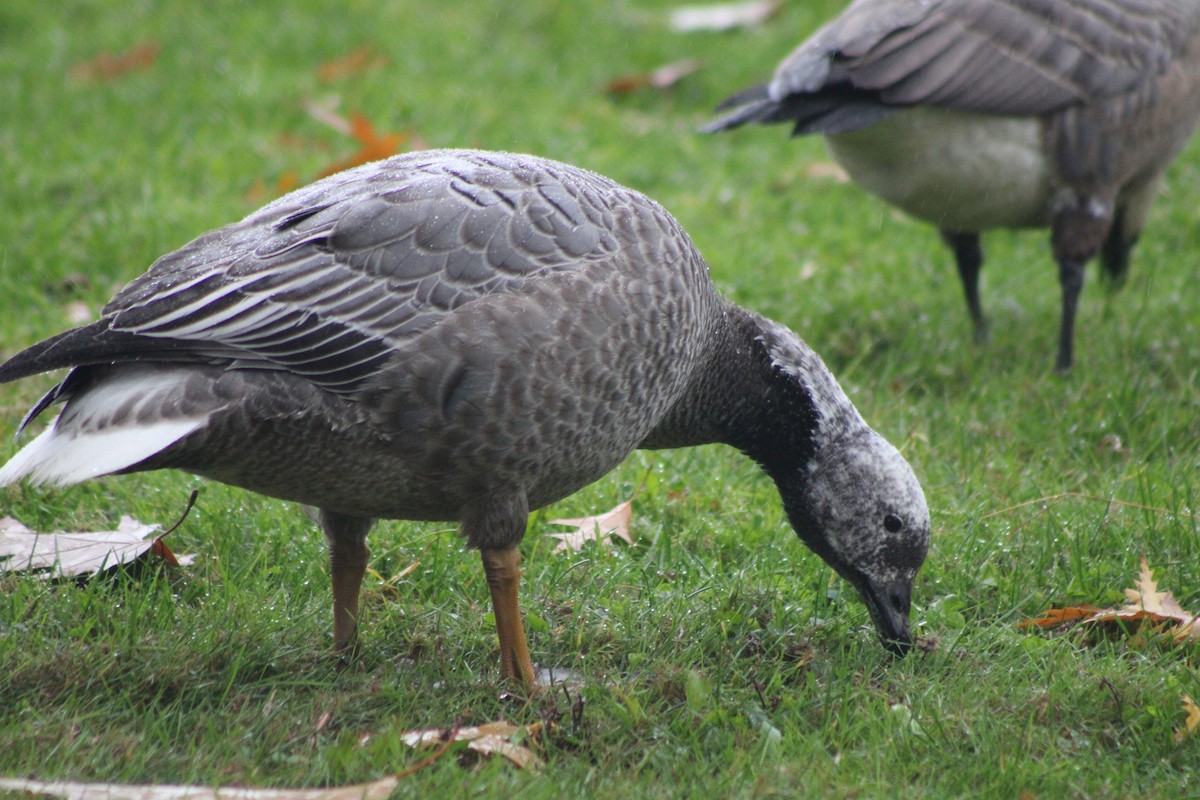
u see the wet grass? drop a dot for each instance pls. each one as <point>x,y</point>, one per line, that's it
<point>717,656</point>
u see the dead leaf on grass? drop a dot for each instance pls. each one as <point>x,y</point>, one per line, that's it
<point>325,111</point>
<point>1192,723</point>
<point>1147,605</point>
<point>601,528</point>
<point>77,312</point>
<point>493,738</point>
<point>257,194</point>
<point>375,790</point>
<point>827,170</point>
<point>106,66</point>
<point>723,16</point>
<point>356,62</point>
<point>662,78</point>
<point>1053,617</point>
<point>372,145</point>
<point>80,554</point>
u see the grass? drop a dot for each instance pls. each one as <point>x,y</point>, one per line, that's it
<point>718,656</point>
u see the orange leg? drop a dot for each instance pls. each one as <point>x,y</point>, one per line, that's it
<point>348,556</point>
<point>503,569</point>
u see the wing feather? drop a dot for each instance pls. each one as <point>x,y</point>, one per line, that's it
<point>329,281</point>
<point>1019,57</point>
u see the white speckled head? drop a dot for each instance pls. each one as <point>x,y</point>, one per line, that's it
<point>868,519</point>
<point>852,497</point>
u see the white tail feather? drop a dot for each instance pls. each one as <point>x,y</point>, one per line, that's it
<point>106,429</point>
<point>63,458</point>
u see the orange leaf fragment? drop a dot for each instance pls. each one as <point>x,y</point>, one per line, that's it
<point>601,528</point>
<point>108,67</point>
<point>372,146</point>
<point>1192,723</point>
<point>258,192</point>
<point>1053,617</point>
<point>353,63</point>
<point>662,78</point>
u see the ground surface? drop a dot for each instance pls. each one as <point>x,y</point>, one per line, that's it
<point>717,655</point>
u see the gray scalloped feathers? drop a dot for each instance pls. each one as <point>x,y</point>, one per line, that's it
<point>461,335</point>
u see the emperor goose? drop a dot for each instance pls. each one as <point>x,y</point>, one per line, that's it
<point>463,336</point>
<point>976,114</point>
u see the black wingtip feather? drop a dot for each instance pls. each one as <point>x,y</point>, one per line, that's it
<point>750,105</point>
<point>836,108</point>
<point>91,344</point>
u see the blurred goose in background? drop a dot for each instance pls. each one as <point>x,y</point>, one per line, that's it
<point>976,114</point>
<point>463,336</point>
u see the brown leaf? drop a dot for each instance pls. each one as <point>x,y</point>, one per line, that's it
<point>258,193</point>
<point>108,67</point>
<point>375,790</point>
<point>356,62</point>
<point>78,313</point>
<point>1053,617</point>
<point>325,111</point>
<point>827,170</point>
<point>1145,595</point>
<point>662,78</point>
<point>78,554</point>
<point>372,146</point>
<point>601,527</point>
<point>723,16</point>
<point>1146,604</point>
<point>1192,723</point>
<point>493,738</point>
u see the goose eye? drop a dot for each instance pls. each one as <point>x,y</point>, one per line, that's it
<point>892,523</point>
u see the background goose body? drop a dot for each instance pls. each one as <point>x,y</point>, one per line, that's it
<point>458,335</point>
<point>976,114</point>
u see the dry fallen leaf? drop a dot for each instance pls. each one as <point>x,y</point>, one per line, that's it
<point>601,527</point>
<point>375,790</point>
<point>493,738</point>
<point>1053,617</point>
<point>78,313</point>
<point>372,146</point>
<point>107,67</point>
<point>662,78</point>
<point>356,62</point>
<point>79,554</point>
<point>325,111</point>
<point>1146,604</point>
<point>257,193</point>
<point>827,170</point>
<point>1192,723</point>
<point>723,16</point>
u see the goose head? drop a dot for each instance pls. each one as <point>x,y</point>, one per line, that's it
<point>848,493</point>
<point>859,506</point>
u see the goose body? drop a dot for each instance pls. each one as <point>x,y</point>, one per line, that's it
<point>465,336</point>
<point>978,114</point>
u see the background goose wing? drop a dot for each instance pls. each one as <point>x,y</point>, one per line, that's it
<point>1020,57</point>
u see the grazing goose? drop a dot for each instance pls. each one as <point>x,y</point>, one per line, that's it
<point>976,114</point>
<point>463,336</point>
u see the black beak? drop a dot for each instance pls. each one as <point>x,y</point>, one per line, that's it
<point>889,605</point>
